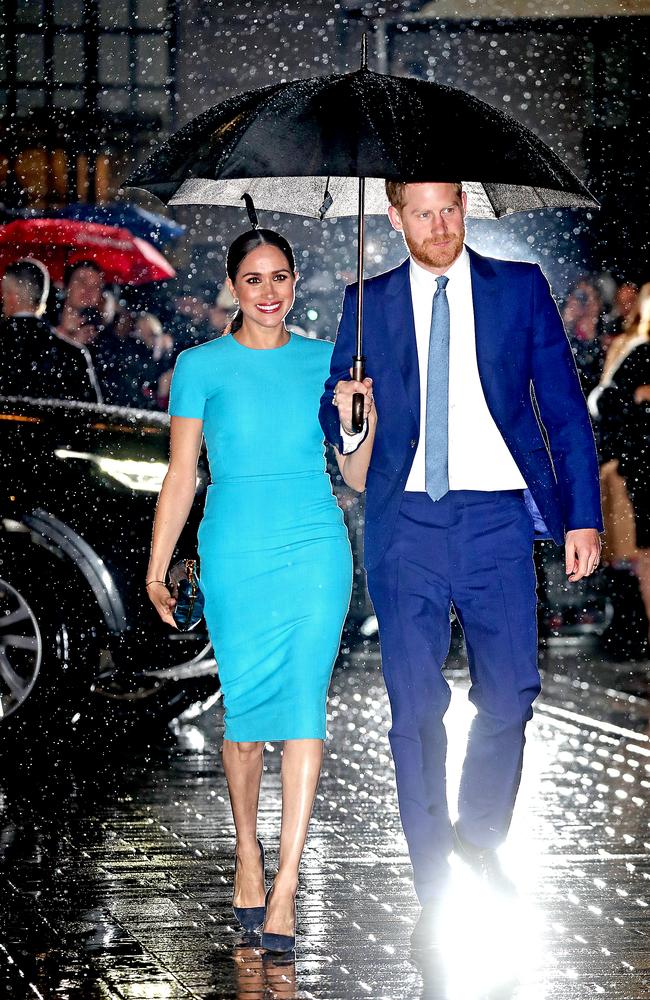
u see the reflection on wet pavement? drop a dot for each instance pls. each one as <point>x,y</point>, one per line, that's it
<point>116,869</point>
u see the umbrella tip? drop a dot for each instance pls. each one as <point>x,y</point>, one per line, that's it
<point>250,208</point>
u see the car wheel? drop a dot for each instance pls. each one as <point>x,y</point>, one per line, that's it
<point>47,660</point>
<point>21,649</point>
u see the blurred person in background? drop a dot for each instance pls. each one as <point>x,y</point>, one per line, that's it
<point>164,387</point>
<point>625,636</point>
<point>154,350</point>
<point>623,305</point>
<point>110,355</point>
<point>190,325</point>
<point>218,315</point>
<point>200,316</point>
<point>635,330</point>
<point>92,316</point>
<point>622,402</point>
<point>83,284</point>
<point>582,316</point>
<point>148,330</point>
<point>34,361</point>
<point>221,310</point>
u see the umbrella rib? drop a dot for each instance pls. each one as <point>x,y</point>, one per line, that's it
<point>489,198</point>
<point>327,201</point>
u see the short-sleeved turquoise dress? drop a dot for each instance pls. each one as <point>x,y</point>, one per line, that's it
<point>274,554</point>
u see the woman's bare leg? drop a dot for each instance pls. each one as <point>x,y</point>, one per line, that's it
<point>301,765</point>
<point>642,569</point>
<point>243,764</point>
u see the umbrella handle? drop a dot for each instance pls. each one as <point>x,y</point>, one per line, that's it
<point>358,374</point>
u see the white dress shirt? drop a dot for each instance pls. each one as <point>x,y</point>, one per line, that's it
<point>478,456</point>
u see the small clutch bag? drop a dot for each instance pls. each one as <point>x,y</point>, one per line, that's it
<point>185,586</point>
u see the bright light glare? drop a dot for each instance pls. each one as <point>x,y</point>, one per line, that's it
<point>146,477</point>
<point>488,942</point>
<point>191,738</point>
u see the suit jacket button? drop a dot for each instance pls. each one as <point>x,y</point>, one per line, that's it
<point>413,442</point>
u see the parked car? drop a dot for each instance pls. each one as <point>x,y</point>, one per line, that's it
<point>79,638</point>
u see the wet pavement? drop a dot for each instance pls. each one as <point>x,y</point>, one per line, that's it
<point>116,868</point>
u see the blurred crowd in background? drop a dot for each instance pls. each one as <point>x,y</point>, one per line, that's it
<point>608,324</point>
<point>88,340</point>
<point>130,336</point>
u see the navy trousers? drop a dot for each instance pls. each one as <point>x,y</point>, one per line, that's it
<point>473,550</point>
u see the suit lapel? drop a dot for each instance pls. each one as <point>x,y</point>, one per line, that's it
<point>400,326</point>
<point>488,318</point>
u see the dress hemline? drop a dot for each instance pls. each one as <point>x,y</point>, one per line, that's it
<point>275,739</point>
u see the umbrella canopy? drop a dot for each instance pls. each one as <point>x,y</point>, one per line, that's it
<point>325,146</point>
<point>147,225</point>
<point>123,258</point>
<point>299,147</point>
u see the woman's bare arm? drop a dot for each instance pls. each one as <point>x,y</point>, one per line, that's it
<point>173,507</point>
<point>354,467</point>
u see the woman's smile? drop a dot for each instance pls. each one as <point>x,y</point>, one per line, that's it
<point>268,308</point>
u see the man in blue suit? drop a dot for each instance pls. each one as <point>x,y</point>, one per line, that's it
<point>482,441</point>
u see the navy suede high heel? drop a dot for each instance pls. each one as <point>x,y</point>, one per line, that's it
<point>251,918</point>
<point>279,943</point>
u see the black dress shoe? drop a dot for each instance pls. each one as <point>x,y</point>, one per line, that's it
<point>484,862</point>
<point>424,936</point>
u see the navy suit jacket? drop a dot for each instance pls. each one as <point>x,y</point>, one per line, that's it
<point>522,351</point>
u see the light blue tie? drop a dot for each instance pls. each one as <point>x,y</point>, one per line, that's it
<point>436,448</point>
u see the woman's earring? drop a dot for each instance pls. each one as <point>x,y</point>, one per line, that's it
<point>236,301</point>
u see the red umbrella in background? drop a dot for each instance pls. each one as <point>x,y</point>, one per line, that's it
<point>124,258</point>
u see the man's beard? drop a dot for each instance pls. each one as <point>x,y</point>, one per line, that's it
<point>436,256</point>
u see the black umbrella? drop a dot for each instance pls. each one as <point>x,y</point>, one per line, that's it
<point>324,146</point>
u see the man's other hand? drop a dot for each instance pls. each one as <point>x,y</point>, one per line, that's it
<point>582,549</point>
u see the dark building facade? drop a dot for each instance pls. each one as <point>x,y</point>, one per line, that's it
<point>88,86</point>
<point>85,86</point>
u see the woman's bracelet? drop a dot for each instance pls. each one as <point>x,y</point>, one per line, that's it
<point>155,581</point>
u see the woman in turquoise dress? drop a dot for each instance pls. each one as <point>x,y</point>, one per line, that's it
<point>275,561</point>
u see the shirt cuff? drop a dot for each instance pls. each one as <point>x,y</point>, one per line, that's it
<point>352,441</point>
